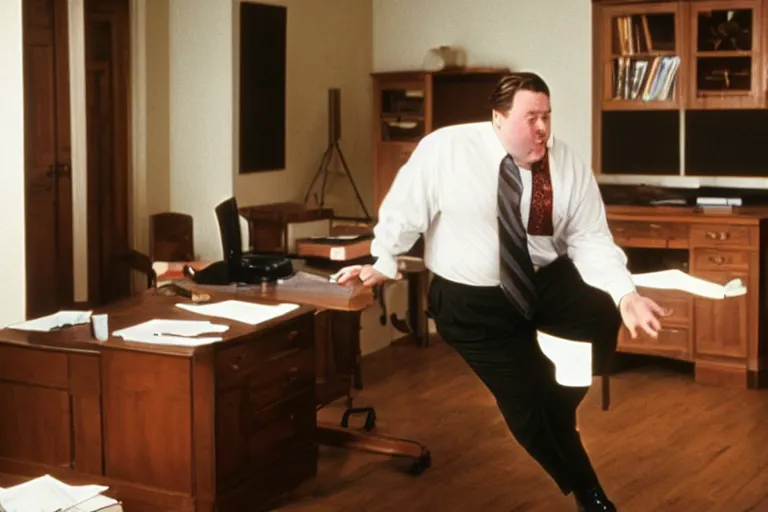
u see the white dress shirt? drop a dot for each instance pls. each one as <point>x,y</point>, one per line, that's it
<point>448,191</point>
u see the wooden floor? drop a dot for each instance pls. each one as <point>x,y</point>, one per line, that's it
<point>667,444</point>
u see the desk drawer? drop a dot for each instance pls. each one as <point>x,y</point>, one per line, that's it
<point>721,235</point>
<point>714,259</point>
<point>281,379</point>
<point>679,302</point>
<point>672,342</point>
<point>648,234</point>
<point>235,363</point>
<point>34,366</point>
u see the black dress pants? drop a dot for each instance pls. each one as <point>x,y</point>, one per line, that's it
<point>500,346</point>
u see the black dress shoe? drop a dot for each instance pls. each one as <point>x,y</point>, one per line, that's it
<point>594,500</point>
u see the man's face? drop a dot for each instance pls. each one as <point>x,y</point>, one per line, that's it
<point>524,129</point>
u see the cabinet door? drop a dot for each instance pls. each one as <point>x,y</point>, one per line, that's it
<point>725,65</point>
<point>722,326</point>
<point>390,158</point>
<point>641,50</point>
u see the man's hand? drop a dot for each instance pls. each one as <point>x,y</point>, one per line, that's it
<point>368,275</point>
<point>641,312</point>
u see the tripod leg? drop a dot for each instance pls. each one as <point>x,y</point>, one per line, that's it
<point>323,168</point>
<point>352,181</point>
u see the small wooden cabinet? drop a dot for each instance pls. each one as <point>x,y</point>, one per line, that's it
<point>724,338</point>
<point>410,104</point>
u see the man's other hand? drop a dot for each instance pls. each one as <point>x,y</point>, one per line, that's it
<point>368,275</point>
<point>641,312</point>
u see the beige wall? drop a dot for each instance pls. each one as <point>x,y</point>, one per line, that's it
<point>12,266</point>
<point>550,37</point>
<point>158,125</point>
<point>329,46</point>
<point>192,97</point>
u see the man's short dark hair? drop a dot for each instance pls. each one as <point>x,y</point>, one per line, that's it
<point>507,87</point>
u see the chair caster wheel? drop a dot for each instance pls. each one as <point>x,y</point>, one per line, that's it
<point>420,464</point>
<point>370,417</point>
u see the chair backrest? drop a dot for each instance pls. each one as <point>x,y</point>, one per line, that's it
<point>171,237</point>
<point>228,218</point>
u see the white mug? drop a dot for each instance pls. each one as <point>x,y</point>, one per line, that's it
<point>100,324</point>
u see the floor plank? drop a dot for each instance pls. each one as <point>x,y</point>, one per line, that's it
<point>666,444</point>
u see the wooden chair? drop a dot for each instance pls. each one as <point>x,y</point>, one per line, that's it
<point>171,237</point>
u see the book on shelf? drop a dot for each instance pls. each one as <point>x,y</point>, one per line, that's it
<point>647,78</point>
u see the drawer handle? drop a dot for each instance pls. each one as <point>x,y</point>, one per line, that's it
<point>717,260</point>
<point>236,364</point>
<point>721,236</point>
<point>292,335</point>
<point>655,226</point>
<point>293,377</point>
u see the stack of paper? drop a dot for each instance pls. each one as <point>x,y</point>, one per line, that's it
<point>246,312</point>
<point>679,280</point>
<point>46,494</point>
<point>173,332</point>
<point>54,321</point>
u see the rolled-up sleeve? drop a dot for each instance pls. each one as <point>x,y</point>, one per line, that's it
<point>407,209</point>
<point>591,247</point>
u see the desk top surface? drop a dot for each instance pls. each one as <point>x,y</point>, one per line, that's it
<point>737,215</point>
<point>141,308</point>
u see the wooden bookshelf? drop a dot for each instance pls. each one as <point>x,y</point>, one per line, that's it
<point>410,104</point>
<point>676,85</point>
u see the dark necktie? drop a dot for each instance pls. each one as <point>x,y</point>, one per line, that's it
<point>517,274</point>
<point>540,219</point>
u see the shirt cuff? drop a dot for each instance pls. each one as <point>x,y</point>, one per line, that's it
<point>386,265</point>
<point>619,288</point>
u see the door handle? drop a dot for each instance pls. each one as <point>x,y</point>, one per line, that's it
<point>63,171</point>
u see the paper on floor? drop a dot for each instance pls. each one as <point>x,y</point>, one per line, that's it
<point>678,280</point>
<point>173,332</point>
<point>54,321</point>
<point>245,312</point>
<point>46,494</point>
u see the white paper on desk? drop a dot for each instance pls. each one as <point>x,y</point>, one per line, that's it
<point>173,332</point>
<point>246,312</point>
<point>46,494</point>
<point>53,321</point>
<point>678,280</point>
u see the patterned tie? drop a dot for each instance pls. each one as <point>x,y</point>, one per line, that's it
<point>517,274</point>
<point>540,219</point>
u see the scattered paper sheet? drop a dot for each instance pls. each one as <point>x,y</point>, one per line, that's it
<point>54,321</point>
<point>678,280</point>
<point>240,311</point>
<point>173,332</point>
<point>46,494</point>
<point>572,359</point>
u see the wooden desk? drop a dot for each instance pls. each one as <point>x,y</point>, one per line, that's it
<point>227,426</point>
<point>725,339</point>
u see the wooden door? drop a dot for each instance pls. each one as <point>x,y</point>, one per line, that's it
<point>48,186</point>
<point>107,81</point>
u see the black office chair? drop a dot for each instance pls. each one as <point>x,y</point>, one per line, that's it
<point>246,267</point>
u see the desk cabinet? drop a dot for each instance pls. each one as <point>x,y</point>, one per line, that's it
<point>722,337</point>
<point>225,427</point>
